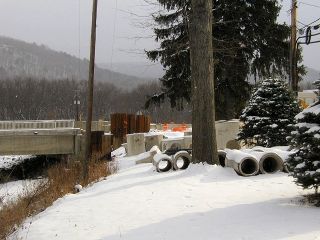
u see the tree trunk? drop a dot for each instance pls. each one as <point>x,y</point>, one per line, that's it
<point>204,145</point>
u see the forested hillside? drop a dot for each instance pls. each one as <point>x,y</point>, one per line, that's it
<point>21,59</point>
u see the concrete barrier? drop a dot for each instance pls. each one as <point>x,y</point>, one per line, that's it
<point>187,142</point>
<point>153,140</point>
<point>227,132</point>
<point>135,144</point>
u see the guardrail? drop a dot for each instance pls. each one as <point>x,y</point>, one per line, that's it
<point>38,124</point>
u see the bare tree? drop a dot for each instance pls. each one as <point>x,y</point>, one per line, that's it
<point>203,109</point>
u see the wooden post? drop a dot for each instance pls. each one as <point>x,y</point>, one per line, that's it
<point>293,48</point>
<point>88,149</point>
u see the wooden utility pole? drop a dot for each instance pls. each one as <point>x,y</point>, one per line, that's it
<point>204,145</point>
<point>88,149</point>
<point>293,48</point>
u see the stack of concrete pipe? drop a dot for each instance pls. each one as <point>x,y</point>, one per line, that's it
<point>249,162</point>
<point>269,162</point>
<point>179,161</point>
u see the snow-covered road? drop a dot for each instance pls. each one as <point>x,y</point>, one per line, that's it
<point>203,202</point>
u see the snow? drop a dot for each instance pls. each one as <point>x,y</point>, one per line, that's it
<point>282,151</point>
<point>7,162</point>
<point>204,202</point>
<point>167,134</point>
<point>160,156</point>
<point>10,191</point>
<point>238,156</point>
<point>301,165</point>
<point>315,109</point>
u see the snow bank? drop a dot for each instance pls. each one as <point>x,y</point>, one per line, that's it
<point>10,191</point>
<point>315,109</point>
<point>203,202</point>
<point>237,155</point>
<point>7,162</point>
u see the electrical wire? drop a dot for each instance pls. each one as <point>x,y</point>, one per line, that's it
<point>308,4</point>
<point>79,40</point>
<point>114,33</point>
<point>309,25</point>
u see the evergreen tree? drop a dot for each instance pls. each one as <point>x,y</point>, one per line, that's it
<point>269,117</point>
<point>305,163</point>
<point>247,40</point>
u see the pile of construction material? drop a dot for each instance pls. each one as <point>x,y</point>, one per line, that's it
<point>250,162</point>
<point>174,153</point>
<point>179,161</point>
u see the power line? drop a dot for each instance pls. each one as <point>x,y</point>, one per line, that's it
<point>313,22</point>
<point>304,25</point>
<point>309,25</point>
<point>114,33</point>
<point>311,5</point>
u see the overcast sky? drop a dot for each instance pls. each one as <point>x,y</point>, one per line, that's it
<point>124,26</point>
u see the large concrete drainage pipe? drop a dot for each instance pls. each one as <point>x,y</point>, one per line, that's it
<point>222,157</point>
<point>162,162</point>
<point>244,164</point>
<point>270,163</point>
<point>181,160</point>
<point>282,152</point>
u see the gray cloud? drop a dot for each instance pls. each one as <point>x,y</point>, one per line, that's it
<point>124,26</point>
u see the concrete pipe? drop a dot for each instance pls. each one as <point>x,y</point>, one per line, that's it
<point>270,163</point>
<point>279,158</point>
<point>222,158</point>
<point>181,160</point>
<point>243,163</point>
<point>162,162</point>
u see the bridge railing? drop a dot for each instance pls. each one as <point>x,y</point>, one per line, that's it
<point>38,124</point>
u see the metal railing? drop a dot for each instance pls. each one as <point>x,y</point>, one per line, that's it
<point>36,124</point>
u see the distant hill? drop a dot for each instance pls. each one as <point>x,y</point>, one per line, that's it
<point>21,59</point>
<point>156,71</point>
<point>312,75</point>
<point>148,70</point>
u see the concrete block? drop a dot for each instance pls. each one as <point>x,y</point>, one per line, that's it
<point>153,140</point>
<point>187,142</point>
<point>167,144</point>
<point>136,144</point>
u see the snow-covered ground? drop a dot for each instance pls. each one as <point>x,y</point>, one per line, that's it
<point>10,191</point>
<point>7,162</point>
<point>204,203</point>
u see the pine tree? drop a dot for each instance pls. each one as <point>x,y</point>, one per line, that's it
<point>305,163</point>
<point>247,40</point>
<point>269,116</point>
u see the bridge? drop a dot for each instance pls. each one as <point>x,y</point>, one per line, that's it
<point>66,137</point>
<point>52,137</point>
<point>38,137</point>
